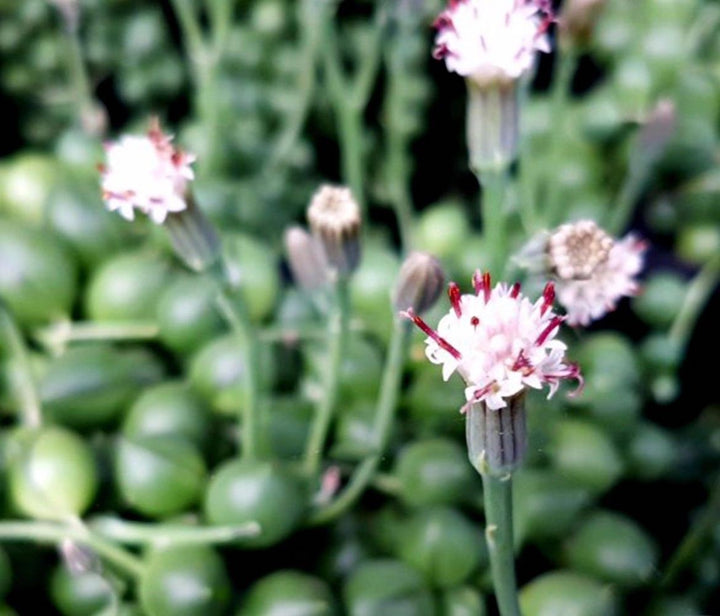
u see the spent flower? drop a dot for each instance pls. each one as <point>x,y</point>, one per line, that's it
<point>146,173</point>
<point>589,298</point>
<point>499,342</point>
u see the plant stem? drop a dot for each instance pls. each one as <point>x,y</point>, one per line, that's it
<point>385,414</point>
<point>140,533</point>
<point>562,81</point>
<point>494,185</point>
<point>21,378</point>
<point>234,311</point>
<point>497,494</point>
<point>630,191</point>
<point>53,533</point>
<point>696,297</point>
<point>349,98</point>
<point>55,337</point>
<point>337,334</point>
<point>695,539</point>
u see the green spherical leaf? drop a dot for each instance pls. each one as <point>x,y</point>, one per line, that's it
<point>187,315</point>
<point>127,287</point>
<point>244,491</point>
<point>566,592</point>
<point>185,581</point>
<point>663,295</point>
<point>82,594</point>
<point>584,453</point>
<point>386,587</point>
<point>443,545</point>
<point>52,474</point>
<point>286,593</point>
<point>90,385</point>
<point>159,475</point>
<point>613,548</point>
<point>545,504</point>
<point>462,601</point>
<point>38,275</point>
<point>253,268</point>
<point>169,408</point>
<point>435,472</point>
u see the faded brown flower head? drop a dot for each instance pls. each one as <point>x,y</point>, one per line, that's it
<point>575,250</point>
<point>335,219</point>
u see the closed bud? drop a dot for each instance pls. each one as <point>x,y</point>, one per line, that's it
<point>305,258</point>
<point>420,283</point>
<point>577,21</point>
<point>335,220</point>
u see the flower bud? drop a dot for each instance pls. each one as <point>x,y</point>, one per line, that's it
<point>420,282</point>
<point>305,258</point>
<point>577,21</point>
<point>496,438</point>
<point>335,220</point>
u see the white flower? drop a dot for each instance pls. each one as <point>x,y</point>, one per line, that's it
<point>590,299</point>
<point>146,173</point>
<point>492,41</point>
<point>499,342</point>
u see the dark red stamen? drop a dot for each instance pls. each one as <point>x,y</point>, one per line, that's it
<point>515,290</point>
<point>443,21</point>
<point>554,324</point>
<point>474,321</point>
<point>442,343</point>
<point>521,362</point>
<point>454,295</point>
<point>486,286</point>
<point>548,297</point>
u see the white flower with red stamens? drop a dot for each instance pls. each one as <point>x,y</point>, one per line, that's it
<point>592,298</point>
<point>492,41</point>
<point>146,173</point>
<point>499,342</point>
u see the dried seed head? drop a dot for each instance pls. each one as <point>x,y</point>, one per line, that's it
<point>335,220</point>
<point>420,282</point>
<point>305,258</point>
<point>575,250</point>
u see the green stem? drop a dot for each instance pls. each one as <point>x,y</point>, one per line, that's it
<point>352,151</point>
<point>53,533</point>
<point>311,25</point>
<point>696,539</point>
<point>497,494</point>
<point>696,297</point>
<point>22,381</point>
<point>560,97</point>
<point>56,336</point>
<point>337,333</point>
<point>142,533</point>
<point>385,414</point>
<point>627,198</point>
<point>84,102</point>
<point>494,188</point>
<point>234,311</point>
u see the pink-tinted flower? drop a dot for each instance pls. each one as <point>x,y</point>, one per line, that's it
<point>612,279</point>
<point>146,173</point>
<point>499,342</point>
<point>492,41</point>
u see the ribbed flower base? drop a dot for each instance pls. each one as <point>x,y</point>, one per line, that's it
<point>496,439</point>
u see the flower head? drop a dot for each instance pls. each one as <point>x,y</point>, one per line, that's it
<point>499,342</point>
<point>613,278</point>
<point>492,41</point>
<point>146,173</point>
<point>335,220</point>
